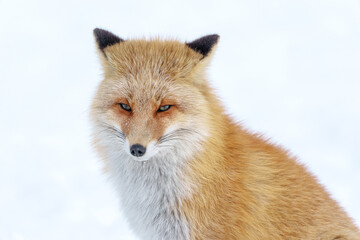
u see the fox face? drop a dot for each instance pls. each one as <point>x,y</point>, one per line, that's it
<point>153,96</point>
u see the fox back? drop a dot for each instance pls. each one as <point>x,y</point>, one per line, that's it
<point>183,168</point>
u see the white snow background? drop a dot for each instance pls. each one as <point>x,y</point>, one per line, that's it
<point>288,69</point>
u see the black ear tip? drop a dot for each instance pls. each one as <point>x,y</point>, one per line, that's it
<point>105,38</point>
<point>98,31</point>
<point>204,45</point>
<point>214,37</point>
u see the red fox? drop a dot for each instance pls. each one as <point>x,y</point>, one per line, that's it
<point>184,169</point>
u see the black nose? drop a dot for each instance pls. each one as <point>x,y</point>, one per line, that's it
<point>137,150</point>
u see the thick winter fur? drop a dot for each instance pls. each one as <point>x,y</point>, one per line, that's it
<point>203,176</point>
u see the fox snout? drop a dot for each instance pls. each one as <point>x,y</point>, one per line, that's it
<point>140,150</point>
<point>137,150</point>
<point>142,135</point>
<point>140,144</point>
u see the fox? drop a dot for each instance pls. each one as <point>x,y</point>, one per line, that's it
<point>183,168</point>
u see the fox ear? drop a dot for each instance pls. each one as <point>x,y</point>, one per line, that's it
<point>105,38</point>
<point>204,45</point>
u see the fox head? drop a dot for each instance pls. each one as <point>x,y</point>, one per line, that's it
<point>154,99</point>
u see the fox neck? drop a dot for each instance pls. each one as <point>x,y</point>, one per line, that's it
<point>151,193</point>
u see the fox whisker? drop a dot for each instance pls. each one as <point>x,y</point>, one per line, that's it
<point>114,131</point>
<point>178,134</point>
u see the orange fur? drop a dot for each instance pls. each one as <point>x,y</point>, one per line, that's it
<point>244,186</point>
<point>255,190</point>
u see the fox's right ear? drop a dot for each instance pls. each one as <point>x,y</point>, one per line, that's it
<point>105,39</point>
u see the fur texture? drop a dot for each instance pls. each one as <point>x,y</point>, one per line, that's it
<point>203,176</point>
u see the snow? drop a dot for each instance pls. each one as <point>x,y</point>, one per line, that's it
<point>288,69</point>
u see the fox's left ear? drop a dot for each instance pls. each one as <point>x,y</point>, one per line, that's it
<point>204,45</point>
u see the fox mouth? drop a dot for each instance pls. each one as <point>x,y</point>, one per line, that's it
<point>139,159</point>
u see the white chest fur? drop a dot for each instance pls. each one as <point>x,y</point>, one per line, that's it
<point>150,194</point>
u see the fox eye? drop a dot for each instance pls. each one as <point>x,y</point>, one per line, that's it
<point>125,107</point>
<point>164,108</point>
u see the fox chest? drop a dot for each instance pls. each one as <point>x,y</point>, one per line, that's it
<point>150,196</point>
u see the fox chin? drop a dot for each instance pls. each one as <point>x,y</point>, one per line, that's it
<point>183,168</point>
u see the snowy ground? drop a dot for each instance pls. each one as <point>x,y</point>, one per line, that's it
<point>289,69</point>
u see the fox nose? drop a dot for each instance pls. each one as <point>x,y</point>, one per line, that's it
<point>137,150</point>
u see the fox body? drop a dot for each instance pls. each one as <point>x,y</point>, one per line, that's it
<point>183,168</point>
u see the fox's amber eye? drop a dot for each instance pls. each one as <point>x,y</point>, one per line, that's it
<point>164,108</point>
<point>125,107</point>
